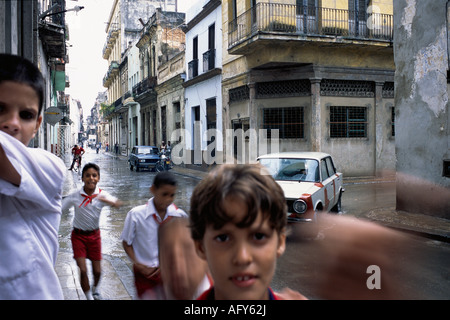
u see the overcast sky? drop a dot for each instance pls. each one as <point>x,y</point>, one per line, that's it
<point>87,36</point>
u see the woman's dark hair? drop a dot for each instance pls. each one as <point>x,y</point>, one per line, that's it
<point>90,165</point>
<point>251,184</point>
<point>18,69</point>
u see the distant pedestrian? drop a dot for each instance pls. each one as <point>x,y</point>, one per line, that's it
<point>31,181</point>
<point>77,153</point>
<point>140,234</point>
<point>86,242</point>
<point>116,148</point>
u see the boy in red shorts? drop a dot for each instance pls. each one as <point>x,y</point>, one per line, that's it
<point>86,242</point>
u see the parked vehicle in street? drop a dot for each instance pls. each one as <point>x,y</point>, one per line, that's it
<point>143,157</point>
<point>310,182</point>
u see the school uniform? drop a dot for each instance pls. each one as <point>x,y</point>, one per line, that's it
<point>141,231</point>
<point>30,215</point>
<point>85,237</point>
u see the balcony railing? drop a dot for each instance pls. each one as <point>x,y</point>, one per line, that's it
<point>143,86</point>
<point>193,69</point>
<point>288,19</point>
<point>209,60</point>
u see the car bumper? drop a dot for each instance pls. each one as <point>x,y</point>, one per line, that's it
<point>145,165</point>
<point>295,220</point>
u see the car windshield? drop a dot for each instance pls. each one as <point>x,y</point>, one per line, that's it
<point>147,150</point>
<point>288,169</point>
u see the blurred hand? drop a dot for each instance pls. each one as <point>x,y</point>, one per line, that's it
<point>358,259</point>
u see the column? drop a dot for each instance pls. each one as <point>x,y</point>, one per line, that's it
<point>316,118</point>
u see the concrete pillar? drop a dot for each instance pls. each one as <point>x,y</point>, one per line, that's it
<point>316,118</point>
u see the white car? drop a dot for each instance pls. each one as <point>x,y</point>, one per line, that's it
<point>309,180</point>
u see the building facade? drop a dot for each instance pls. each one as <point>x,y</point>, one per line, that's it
<point>422,117</point>
<point>319,72</point>
<point>203,134</point>
<point>36,30</point>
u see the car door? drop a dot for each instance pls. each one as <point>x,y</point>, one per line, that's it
<point>328,177</point>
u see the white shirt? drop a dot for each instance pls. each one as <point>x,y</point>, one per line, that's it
<point>87,208</point>
<point>141,231</point>
<point>29,221</point>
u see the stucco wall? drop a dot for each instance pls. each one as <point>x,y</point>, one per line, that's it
<point>421,99</point>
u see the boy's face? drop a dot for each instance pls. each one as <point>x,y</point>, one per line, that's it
<point>90,179</point>
<point>164,195</point>
<point>19,111</point>
<point>242,261</point>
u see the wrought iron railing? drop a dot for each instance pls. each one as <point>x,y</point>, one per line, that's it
<point>143,86</point>
<point>209,60</point>
<point>192,69</point>
<point>311,21</point>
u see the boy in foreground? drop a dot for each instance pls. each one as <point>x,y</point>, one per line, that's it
<point>31,182</point>
<point>238,223</point>
<point>140,234</point>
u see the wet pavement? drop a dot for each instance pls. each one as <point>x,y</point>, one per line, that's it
<point>117,278</point>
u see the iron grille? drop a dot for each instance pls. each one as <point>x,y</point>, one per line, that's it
<point>289,121</point>
<point>348,122</point>
<point>239,94</point>
<point>283,88</point>
<point>347,88</point>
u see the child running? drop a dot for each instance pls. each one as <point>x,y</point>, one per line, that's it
<point>238,221</point>
<point>140,234</point>
<point>31,181</point>
<point>86,241</point>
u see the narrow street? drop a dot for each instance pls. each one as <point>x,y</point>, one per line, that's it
<point>425,272</point>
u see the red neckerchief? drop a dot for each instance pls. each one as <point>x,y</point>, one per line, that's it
<point>88,199</point>
<point>164,221</point>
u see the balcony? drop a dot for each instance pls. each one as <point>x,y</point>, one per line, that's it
<point>113,70</point>
<point>192,69</point>
<point>144,86</point>
<point>291,22</point>
<point>209,60</point>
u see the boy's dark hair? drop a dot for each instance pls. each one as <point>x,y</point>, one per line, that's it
<point>18,69</point>
<point>164,177</point>
<point>90,165</point>
<point>250,183</point>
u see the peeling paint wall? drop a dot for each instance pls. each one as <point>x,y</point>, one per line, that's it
<point>421,100</point>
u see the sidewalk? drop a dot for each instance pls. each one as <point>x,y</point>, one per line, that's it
<point>117,279</point>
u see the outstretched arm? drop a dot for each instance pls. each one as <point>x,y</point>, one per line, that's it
<point>7,170</point>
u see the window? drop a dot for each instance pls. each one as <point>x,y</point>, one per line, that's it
<point>393,121</point>
<point>348,122</point>
<point>289,121</point>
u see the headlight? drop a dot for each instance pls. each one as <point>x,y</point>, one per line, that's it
<point>299,206</point>
<point>142,160</point>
